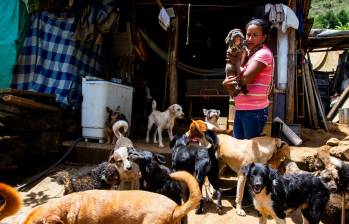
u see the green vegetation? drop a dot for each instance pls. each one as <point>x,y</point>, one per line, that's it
<point>331,14</point>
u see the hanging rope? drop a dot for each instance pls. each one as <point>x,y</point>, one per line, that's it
<point>188,25</point>
<point>192,70</point>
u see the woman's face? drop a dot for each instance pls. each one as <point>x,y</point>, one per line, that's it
<point>254,36</point>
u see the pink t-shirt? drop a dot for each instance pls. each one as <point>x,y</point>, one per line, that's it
<point>259,88</point>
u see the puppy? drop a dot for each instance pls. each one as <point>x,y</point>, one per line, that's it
<point>103,176</point>
<point>155,176</point>
<point>163,120</point>
<point>211,119</point>
<point>11,202</point>
<point>236,153</point>
<point>235,40</point>
<point>199,161</point>
<point>112,117</point>
<point>114,207</point>
<point>275,195</point>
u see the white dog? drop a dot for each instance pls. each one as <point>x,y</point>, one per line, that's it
<point>128,170</point>
<point>163,120</point>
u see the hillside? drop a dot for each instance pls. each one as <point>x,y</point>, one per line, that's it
<point>321,11</point>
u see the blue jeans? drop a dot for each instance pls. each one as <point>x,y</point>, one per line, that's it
<point>249,123</point>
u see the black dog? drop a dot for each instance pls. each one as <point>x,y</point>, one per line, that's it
<point>274,194</point>
<point>155,176</point>
<point>199,161</point>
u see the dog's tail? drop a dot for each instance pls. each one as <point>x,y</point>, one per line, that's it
<point>12,201</point>
<point>153,105</point>
<point>194,195</point>
<point>118,125</point>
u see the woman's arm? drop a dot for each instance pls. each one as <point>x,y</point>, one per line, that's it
<point>253,68</point>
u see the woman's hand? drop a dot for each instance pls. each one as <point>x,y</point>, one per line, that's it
<point>228,84</point>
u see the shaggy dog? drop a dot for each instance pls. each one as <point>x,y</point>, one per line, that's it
<point>236,153</point>
<point>103,176</point>
<point>275,195</point>
<point>163,120</point>
<point>155,176</point>
<point>112,117</point>
<point>199,161</point>
<point>114,207</point>
<point>235,40</point>
<point>11,202</point>
<point>211,119</point>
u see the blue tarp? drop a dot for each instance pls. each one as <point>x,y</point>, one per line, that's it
<point>9,14</point>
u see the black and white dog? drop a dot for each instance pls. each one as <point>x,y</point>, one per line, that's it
<point>275,195</point>
<point>198,160</point>
<point>155,176</point>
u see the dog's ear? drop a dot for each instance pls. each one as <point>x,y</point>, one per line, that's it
<point>272,173</point>
<point>160,158</point>
<point>205,111</point>
<point>108,110</point>
<point>117,108</point>
<point>246,169</point>
<point>218,113</point>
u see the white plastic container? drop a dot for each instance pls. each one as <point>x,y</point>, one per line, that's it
<point>97,95</point>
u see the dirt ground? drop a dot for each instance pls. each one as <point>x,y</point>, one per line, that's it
<point>48,188</point>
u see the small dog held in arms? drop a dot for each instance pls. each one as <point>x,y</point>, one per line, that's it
<point>107,207</point>
<point>163,120</point>
<point>211,119</point>
<point>275,195</point>
<point>112,117</point>
<point>235,40</point>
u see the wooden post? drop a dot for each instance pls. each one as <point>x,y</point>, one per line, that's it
<point>291,71</point>
<point>172,69</point>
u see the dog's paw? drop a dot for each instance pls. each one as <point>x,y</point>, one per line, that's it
<point>240,211</point>
<point>161,145</point>
<point>147,140</point>
<point>220,210</point>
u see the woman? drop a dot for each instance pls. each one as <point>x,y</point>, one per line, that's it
<point>256,72</point>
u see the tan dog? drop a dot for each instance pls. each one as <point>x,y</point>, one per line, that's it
<point>163,120</point>
<point>116,207</point>
<point>237,153</point>
<point>129,173</point>
<point>12,201</point>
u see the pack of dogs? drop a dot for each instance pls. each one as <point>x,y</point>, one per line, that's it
<point>115,190</point>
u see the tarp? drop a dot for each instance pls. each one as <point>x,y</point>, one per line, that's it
<point>325,61</point>
<point>9,14</point>
<point>52,61</point>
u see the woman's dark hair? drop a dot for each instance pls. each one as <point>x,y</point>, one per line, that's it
<point>259,22</point>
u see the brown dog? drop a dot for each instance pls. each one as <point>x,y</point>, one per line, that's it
<point>237,153</point>
<point>115,207</point>
<point>12,201</point>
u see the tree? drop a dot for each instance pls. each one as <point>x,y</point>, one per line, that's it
<point>329,20</point>
<point>343,17</point>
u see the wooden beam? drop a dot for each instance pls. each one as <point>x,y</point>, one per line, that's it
<point>291,71</point>
<point>23,102</point>
<point>172,68</point>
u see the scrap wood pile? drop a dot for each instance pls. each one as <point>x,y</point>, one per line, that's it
<point>30,122</point>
